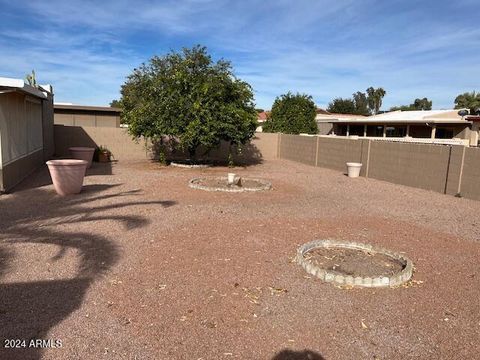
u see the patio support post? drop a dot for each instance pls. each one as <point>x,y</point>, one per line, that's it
<point>384,130</point>
<point>348,130</point>
<point>434,130</point>
<point>408,131</point>
<point>365,130</point>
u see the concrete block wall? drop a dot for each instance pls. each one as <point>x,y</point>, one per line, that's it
<point>446,169</point>
<point>123,147</point>
<point>470,177</point>
<point>416,165</point>
<point>298,148</point>
<point>334,153</point>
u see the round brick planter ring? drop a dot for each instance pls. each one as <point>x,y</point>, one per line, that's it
<point>190,166</point>
<point>338,278</point>
<point>247,184</point>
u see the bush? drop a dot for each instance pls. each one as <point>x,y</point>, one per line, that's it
<point>292,114</point>
<point>189,98</point>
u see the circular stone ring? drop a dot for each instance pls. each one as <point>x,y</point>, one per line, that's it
<point>190,166</point>
<point>248,184</point>
<point>338,278</point>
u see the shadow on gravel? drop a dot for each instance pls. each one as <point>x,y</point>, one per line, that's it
<point>28,310</point>
<point>298,355</point>
<point>41,176</point>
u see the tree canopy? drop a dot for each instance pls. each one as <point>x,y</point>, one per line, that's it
<point>187,96</point>
<point>342,106</point>
<point>418,104</point>
<point>357,105</point>
<point>375,98</point>
<point>292,114</point>
<point>115,103</point>
<point>468,100</point>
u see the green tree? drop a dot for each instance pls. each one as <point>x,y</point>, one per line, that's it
<point>374,98</point>
<point>422,104</point>
<point>187,96</point>
<point>361,103</point>
<point>468,100</point>
<point>342,106</point>
<point>115,103</point>
<point>357,105</point>
<point>292,114</point>
<point>418,104</point>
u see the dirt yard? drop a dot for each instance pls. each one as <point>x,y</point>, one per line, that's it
<point>140,266</point>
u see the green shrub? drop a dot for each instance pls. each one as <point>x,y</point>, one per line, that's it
<point>188,97</point>
<point>292,114</point>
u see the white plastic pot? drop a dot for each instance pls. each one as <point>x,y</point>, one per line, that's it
<point>230,178</point>
<point>353,169</point>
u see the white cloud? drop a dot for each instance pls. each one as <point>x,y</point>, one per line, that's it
<point>327,49</point>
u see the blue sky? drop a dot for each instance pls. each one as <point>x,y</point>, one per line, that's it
<point>85,49</point>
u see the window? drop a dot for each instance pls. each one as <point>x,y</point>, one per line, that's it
<point>356,130</point>
<point>375,130</point>
<point>444,133</point>
<point>396,131</point>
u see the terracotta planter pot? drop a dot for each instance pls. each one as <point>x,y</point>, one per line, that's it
<point>67,175</point>
<point>82,153</point>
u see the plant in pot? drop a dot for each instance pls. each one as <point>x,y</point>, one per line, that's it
<point>104,155</point>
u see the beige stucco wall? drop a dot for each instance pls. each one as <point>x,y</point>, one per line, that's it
<point>87,119</point>
<point>324,128</point>
<point>263,146</point>
<point>115,139</point>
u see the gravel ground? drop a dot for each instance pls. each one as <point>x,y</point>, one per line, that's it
<point>140,266</point>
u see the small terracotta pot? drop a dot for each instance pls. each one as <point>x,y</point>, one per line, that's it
<point>83,153</point>
<point>67,175</point>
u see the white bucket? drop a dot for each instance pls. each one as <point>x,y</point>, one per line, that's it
<point>230,178</point>
<point>353,169</point>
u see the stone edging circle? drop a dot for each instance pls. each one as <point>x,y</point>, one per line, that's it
<point>192,166</point>
<point>339,279</point>
<point>263,185</point>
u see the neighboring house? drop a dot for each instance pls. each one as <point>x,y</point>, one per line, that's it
<point>79,115</point>
<point>26,130</point>
<point>428,126</point>
<point>324,120</point>
<point>262,117</point>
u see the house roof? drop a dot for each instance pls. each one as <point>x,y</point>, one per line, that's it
<point>58,106</point>
<point>324,115</point>
<point>262,116</point>
<point>10,84</point>
<point>421,116</point>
